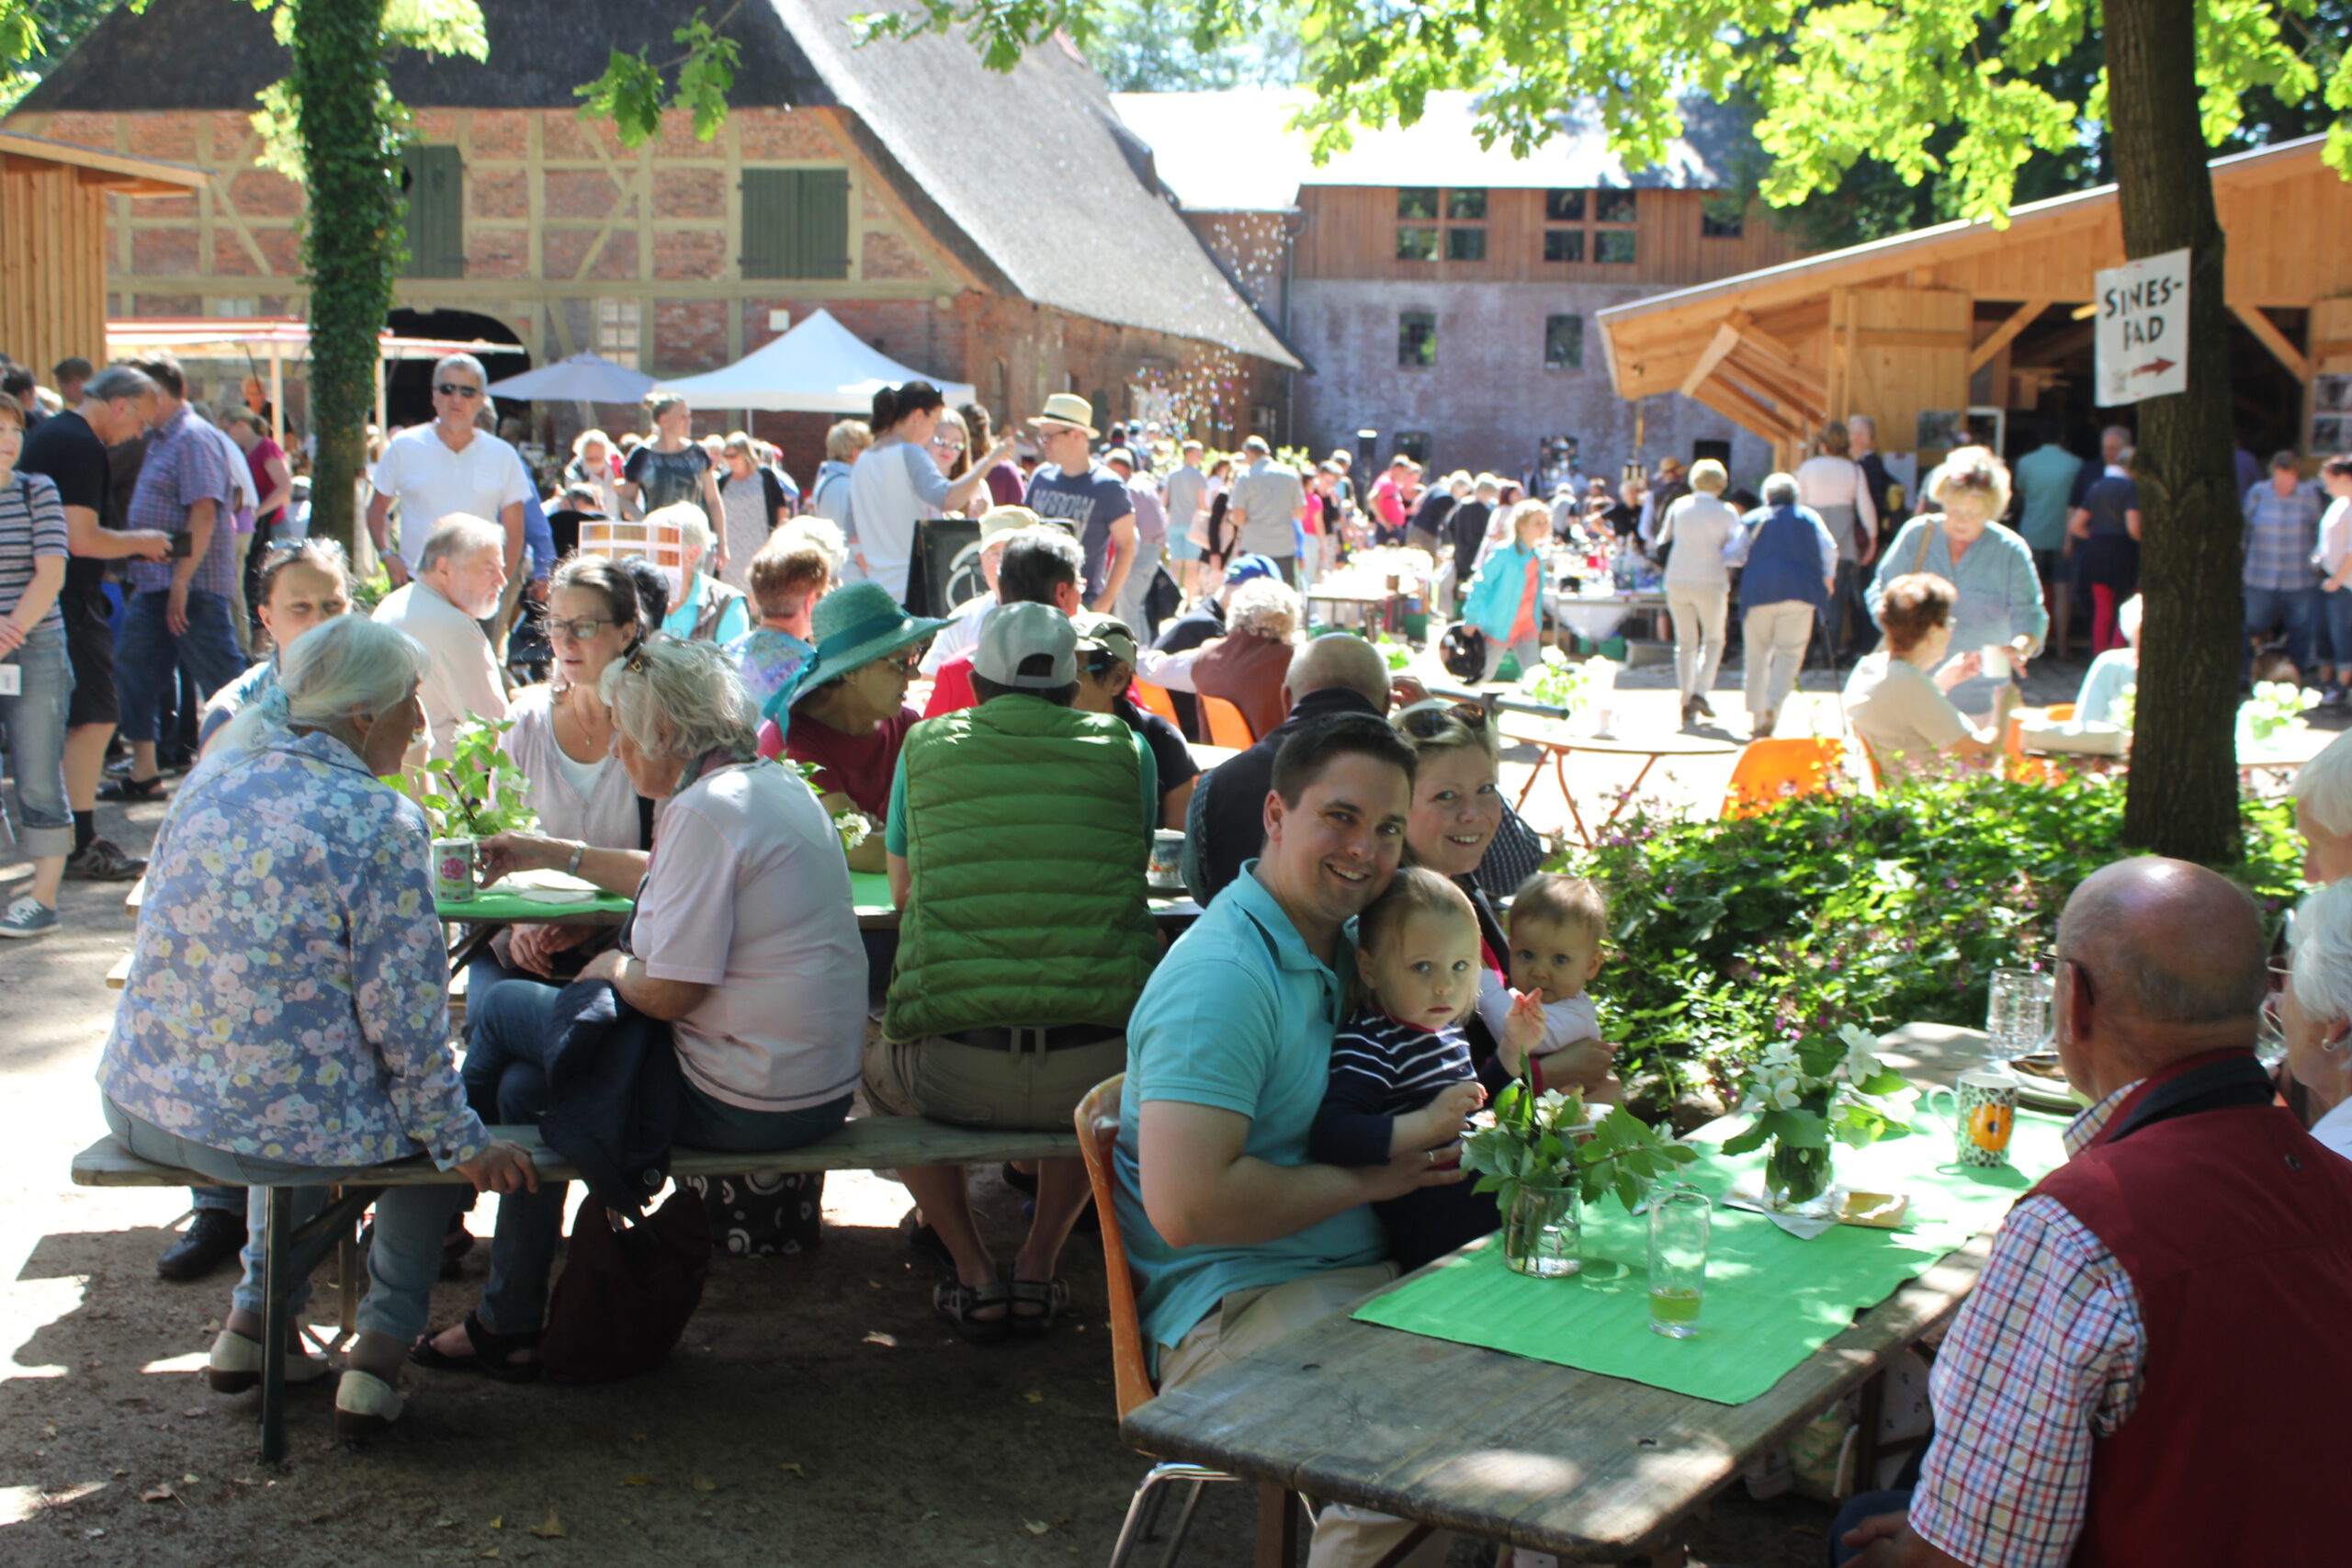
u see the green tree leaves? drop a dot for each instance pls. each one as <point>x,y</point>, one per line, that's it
<point>632,92</point>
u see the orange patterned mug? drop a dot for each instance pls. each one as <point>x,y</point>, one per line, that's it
<point>1984,1113</point>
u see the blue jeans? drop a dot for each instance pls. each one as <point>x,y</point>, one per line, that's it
<point>401,1266</point>
<point>2337,608</point>
<point>511,1033</point>
<point>146,653</point>
<point>2267,607</point>
<point>34,724</point>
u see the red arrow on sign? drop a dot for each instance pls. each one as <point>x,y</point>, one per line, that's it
<point>2153,367</point>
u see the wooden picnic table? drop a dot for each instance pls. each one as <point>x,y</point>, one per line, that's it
<point>1558,742</point>
<point>1592,1467</point>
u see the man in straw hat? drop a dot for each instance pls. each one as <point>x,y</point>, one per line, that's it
<point>1070,487</point>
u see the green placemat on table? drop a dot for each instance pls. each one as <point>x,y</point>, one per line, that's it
<point>496,906</point>
<point>870,890</point>
<point>1771,1299</point>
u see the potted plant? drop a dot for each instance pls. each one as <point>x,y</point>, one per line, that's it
<point>478,792</point>
<point>1822,1085</point>
<point>1543,1156</point>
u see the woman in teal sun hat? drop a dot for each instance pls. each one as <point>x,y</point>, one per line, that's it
<point>847,715</point>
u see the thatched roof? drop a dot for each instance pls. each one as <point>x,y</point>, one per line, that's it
<point>1029,176</point>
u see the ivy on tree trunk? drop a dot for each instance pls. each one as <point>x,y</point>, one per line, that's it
<point>2183,792</point>
<point>353,244</point>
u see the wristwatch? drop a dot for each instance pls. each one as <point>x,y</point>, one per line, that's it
<point>578,848</point>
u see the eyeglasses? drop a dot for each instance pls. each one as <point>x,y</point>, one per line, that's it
<point>911,660</point>
<point>456,389</point>
<point>582,630</point>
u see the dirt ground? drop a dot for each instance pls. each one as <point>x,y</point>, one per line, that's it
<point>817,1412</point>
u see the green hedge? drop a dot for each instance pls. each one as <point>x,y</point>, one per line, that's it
<point>1875,911</point>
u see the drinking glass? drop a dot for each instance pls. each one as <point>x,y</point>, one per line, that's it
<point>1680,1219</point>
<point>2017,1018</point>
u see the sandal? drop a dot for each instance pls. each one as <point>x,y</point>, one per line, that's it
<point>957,1301</point>
<point>493,1354</point>
<point>1048,1298</point>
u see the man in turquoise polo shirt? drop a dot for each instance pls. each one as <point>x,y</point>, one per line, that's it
<point>1235,1235</point>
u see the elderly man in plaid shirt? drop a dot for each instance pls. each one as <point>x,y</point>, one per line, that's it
<point>2283,516</point>
<point>2141,1375</point>
<point>179,612</point>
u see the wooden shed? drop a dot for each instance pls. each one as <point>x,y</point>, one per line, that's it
<point>1967,328</point>
<point>53,242</point>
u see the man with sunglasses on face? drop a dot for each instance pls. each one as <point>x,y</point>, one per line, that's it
<point>449,466</point>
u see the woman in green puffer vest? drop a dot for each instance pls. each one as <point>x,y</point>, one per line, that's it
<point>1018,835</point>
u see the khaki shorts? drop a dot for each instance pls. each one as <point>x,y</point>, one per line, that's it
<point>977,1086</point>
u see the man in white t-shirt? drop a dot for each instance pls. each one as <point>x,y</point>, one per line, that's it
<point>460,571</point>
<point>449,466</point>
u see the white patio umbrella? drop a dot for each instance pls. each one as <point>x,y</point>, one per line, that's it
<point>583,378</point>
<point>819,366</point>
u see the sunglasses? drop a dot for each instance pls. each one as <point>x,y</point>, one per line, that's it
<point>1426,722</point>
<point>946,444</point>
<point>456,389</point>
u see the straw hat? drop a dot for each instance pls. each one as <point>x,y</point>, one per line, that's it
<point>1067,409</point>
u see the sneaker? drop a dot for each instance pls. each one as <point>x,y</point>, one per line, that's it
<point>28,917</point>
<point>102,860</point>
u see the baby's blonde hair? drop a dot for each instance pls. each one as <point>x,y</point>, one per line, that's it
<point>1571,901</point>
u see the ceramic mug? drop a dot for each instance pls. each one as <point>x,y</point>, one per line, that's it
<point>453,870</point>
<point>1995,660</point>
<point>1167,868</point>
<point>1984,1112</point>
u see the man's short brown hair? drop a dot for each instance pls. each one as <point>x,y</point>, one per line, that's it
<point>786,569</point>
<point>1915,605</point>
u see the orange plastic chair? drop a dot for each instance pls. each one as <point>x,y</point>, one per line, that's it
<point>1157,699</point>
<point>1098,1130</point>
<point>1771,771</point>
<point>1226,727</point>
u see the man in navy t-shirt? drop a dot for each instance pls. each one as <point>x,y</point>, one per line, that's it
<point>1070,487</point>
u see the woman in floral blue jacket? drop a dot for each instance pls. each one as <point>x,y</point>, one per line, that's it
<point>286,1009</point>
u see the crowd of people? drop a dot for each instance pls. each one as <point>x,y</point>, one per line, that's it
<point>1300,1065</point>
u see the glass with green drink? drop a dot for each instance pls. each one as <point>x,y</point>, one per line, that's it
<point>1680,1219</point>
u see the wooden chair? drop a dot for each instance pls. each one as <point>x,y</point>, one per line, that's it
<point>1769,772</point>
<point>1157,699</point>
<point>1097,1129</point>
<point>1224,724</point>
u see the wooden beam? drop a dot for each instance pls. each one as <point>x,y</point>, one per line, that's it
<point>1740,407</point>
<point>2005,334</point>
<point>2271,338</point>
<point>1788,383</point>
<point>1910,337</point>
<point>1718,349</point>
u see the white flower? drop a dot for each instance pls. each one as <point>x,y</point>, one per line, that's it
<point>1551,1102</point>
<point>854,826</point>
<point>1784,1095</point>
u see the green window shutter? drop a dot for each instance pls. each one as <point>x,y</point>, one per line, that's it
<point>433,179</point>
<point>796,223</point>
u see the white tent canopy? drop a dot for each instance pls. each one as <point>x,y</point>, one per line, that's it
<point>819,366</point>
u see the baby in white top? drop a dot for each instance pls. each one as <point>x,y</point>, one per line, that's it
<point>1557,924</point>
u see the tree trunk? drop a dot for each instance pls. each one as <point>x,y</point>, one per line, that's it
<point>2183,798</point>
<point>353,244</point>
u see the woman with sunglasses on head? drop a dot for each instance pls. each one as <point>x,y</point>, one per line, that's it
<point>1457,810</point>
<point>301,583</point>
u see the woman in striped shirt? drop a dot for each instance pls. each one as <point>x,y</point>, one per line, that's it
<point>35,678</point>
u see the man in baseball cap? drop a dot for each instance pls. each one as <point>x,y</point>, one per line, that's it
<point>1025,647</point>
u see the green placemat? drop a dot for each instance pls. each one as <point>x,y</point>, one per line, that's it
<point>870,890</point>
<point>1771,1299</point>
<point>497,906</point>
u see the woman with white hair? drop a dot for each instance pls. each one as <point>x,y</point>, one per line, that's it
<point>744,941</point>
<point>2322,791</point>
<point>1698,585</point>
<point>1247,666</point>
<point>287,1016</point>
<point>1990,566</point>
<point>705,609</point>
<point>2315,1011</point>
<point>1788,562</point>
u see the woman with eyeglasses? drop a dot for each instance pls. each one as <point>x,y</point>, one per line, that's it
<point>303,583</point>
<point>670,466</point>
<point>745,941</point>
<point>845,714</point>
<point>901,479</point>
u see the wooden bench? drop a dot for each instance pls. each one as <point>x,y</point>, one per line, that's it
<point>290,1252</point>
